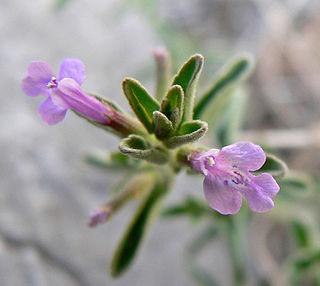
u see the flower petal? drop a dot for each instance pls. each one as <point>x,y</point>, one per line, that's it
<point>40,71</point>
<point>72,68</point>
<point>258,202</point>
<point>243,155</point>
<point>267,184</point>
<point>69,95</point>
<point>259,194</point>
<point>33,88</point>
<point>220,197</point>
<point>51,113</point>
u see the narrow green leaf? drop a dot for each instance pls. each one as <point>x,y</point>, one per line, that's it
<point>172,105</point>
<point>187,78</point>
<point>114,161</point>
<point>140,101</point>
<point>137,147</point>
<point>297,186</point>
<point>301,233</point>
<point>228,78</point>
<point>306,259</point>
<point>189,132</point>
<point>273,166</point>
<point>138,228</point>
<point>200,275</point>
<point>61,4</point>
<point>192,207</point>
<point>226,129</point>
<point>162,125</point>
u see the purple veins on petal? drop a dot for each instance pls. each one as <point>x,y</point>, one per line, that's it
<point>221,198</point>
<point>228,178</point>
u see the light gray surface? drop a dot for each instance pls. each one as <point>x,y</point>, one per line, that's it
<point>46,190</point>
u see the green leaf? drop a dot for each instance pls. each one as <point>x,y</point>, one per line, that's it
<point>138,228</point>
<point>234,73</point>
<point>162,125</point>
<point>301,233</point>
<point>60,4</point>
<point>294,184</point>
<point>137,147</point>
<point>297,186</point>
<point>200,275</point>
<point>140,101</point>
<point>227,128</point>
<point>189,132</point>
<point>274,166</point>
<point>187,78</point>
<point>172,105</point>
<point>192,207</point>
<point>306,259</point>
<point>114,161</point>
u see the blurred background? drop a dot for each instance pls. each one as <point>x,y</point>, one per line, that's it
<point>47,190</point>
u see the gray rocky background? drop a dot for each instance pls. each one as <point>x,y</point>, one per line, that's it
<point>46,191</point>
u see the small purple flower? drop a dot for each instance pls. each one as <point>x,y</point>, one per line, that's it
<point>98,216</point>
<point>227,178</point>
<point>63,92</point>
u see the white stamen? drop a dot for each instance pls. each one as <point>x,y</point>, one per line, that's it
<point>52,83</point>
<point>211,162</point>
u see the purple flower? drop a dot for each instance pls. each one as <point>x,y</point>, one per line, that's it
<point>227,178</point>
<point>63,92</point>
<point>98,216</point>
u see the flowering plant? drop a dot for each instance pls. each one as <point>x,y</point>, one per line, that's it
<point>158,142</point>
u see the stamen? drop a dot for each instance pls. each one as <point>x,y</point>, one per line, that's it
<point>211,162</point>
<point>52,83</point>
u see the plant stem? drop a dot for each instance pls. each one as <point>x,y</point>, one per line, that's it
<point>234,247</point>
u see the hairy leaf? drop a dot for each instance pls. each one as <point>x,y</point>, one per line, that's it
<point>228,78</point>
<point>189,132</point>
<point>138,228</point>
<point>140,101</point>
<point>187,77</point>
<point>137,147</point>
<point>274,166</point>
<point>172,105</point>
<point>162,125</point>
